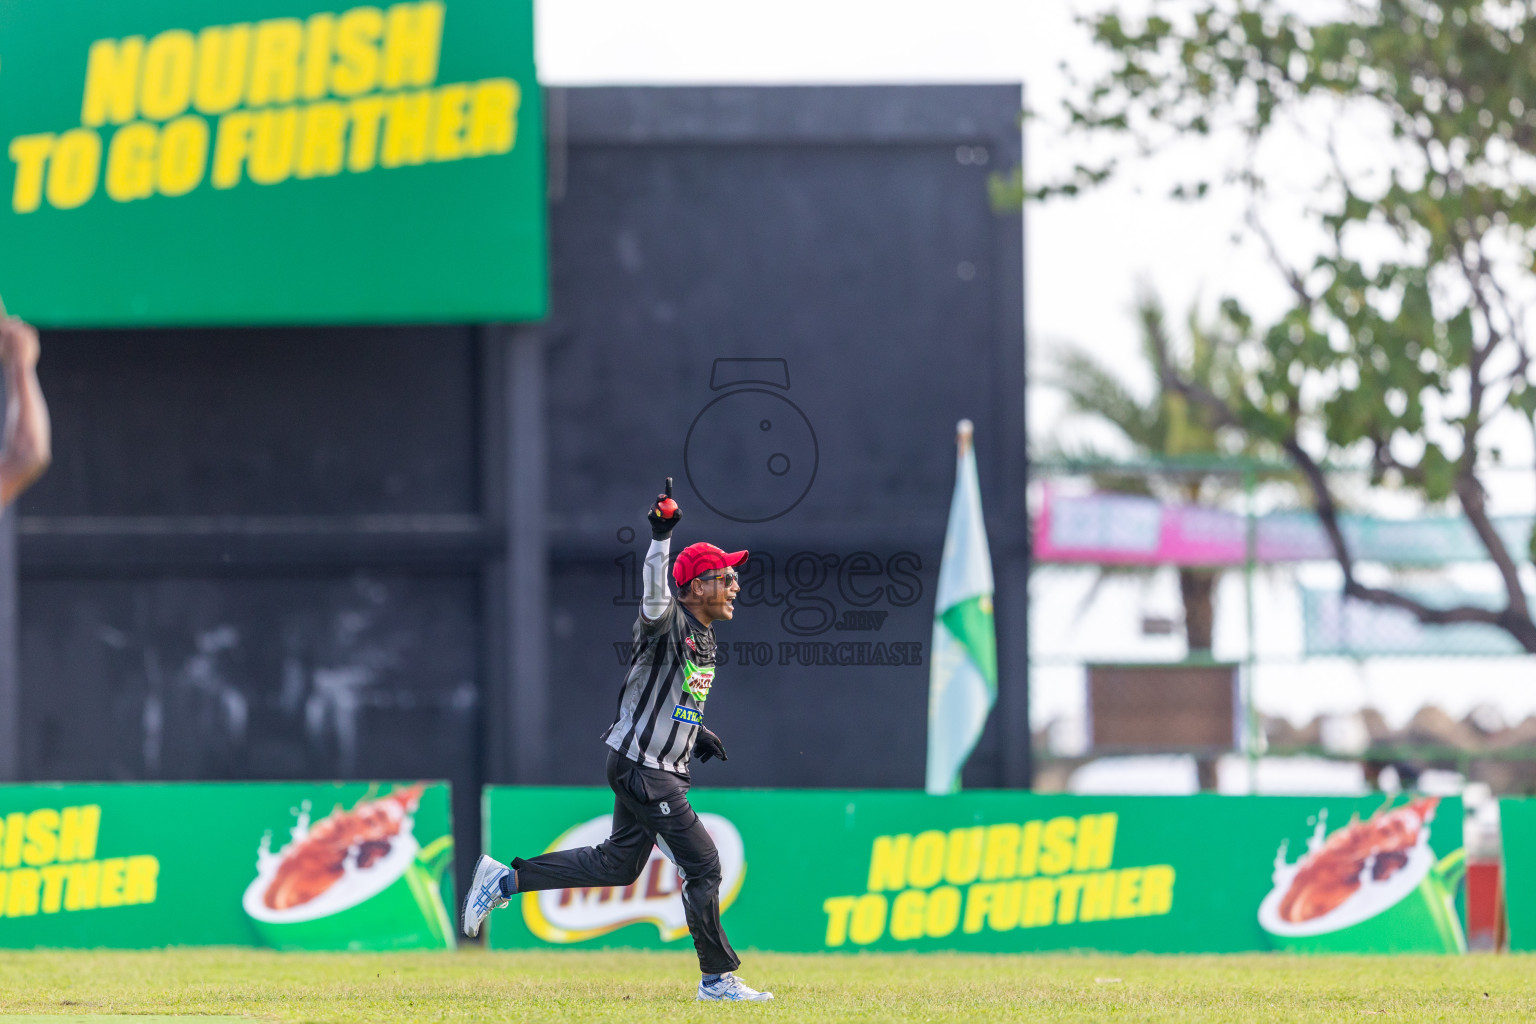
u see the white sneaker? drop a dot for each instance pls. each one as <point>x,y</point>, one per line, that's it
<point>728,987</point>
<point>484,893</point>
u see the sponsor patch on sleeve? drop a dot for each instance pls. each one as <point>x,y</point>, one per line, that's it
<point>693,716</point>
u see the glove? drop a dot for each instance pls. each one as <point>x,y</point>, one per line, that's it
<point>708,745</point>
<point>664,515</point>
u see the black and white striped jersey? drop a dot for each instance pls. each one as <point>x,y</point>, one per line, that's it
<point>671,668</point>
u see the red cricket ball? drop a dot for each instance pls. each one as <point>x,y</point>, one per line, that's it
<point>667,507</point>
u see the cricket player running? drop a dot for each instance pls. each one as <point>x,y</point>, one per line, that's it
<point>658,726</point>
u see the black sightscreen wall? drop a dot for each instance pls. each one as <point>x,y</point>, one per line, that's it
<point>265,422</point>
<point>844,238</point>
<point>256,556</point>
<point>276,553</point>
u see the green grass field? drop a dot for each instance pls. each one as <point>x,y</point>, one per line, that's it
<point>478,986</point>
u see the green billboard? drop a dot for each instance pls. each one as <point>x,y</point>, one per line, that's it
<point>289,865</point>
<point>1517,834</point>
<point>1011,872</point>
<point>176,162</point>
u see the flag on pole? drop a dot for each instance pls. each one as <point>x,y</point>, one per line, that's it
<point>962,671</point>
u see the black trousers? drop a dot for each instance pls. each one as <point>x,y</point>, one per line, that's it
<point>649,806</point>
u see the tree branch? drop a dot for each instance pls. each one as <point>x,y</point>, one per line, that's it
<point>1293,278</point>
<point>1516,621</point>
<point>1514,618</point>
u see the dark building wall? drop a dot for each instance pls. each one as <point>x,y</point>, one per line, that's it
<point>295,422</point>
<point>326,552</point>
<point>847,233</point>
<point>258,555</point>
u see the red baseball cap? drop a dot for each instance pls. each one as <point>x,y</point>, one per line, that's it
<point>697,559</point>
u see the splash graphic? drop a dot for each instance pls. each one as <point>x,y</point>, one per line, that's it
<point>337,862</point>
<point>1354,874</point>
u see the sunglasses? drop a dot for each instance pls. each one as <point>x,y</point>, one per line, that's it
<point>730,576</point>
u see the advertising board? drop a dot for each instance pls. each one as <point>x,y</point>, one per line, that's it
<point>176,162</point>
<point>290,865</point>
<point>811,871</point>
<point>1517,833</point>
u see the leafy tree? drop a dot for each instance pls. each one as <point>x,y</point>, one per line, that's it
<point>1405,338</point>
<point>1164,426</point>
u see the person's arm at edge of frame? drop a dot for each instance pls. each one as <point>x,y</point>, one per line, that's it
<point>28,444</point>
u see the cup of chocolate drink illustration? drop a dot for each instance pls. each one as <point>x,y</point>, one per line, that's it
<point>751,454</point>
<point>1373,886</point>
<point>356,879</point>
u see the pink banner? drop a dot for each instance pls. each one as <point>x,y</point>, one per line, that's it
<point>1128,529</point>
<point>1124,529</point>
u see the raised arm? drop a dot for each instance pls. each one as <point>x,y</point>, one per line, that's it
<point>658,596</point>
<point>28,446</point>
<point>663,516</point>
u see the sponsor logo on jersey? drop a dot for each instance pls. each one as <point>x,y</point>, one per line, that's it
<point>693,716</point>
<point>575,915</point>
<point>697,680</point>
<point>691,645</point>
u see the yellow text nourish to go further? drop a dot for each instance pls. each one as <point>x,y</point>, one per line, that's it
<point>267,63</point>
<point>264,102</point>
<point>48,857</point>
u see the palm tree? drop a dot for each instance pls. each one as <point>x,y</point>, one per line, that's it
<point>1164,427</point>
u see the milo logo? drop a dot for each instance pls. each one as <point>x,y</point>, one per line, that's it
<point>574,915</point>
<point>697,680</point>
